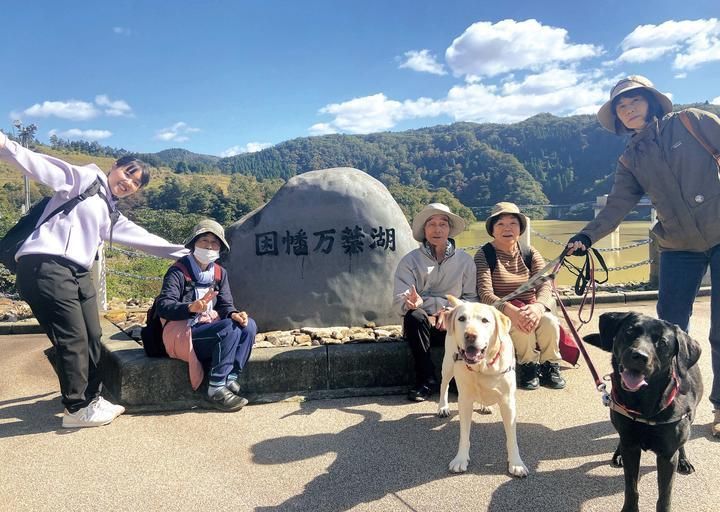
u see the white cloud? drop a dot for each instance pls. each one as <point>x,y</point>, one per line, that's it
<point>72,109</point>
<point>692,42</point>
<point>122,31</point>
<point>373,114</point>
<point>715,101</point>
<point>76,133</point>
<point>423,61</point>
<point>176,133</point>
<point>77,110</point>
<point>250,147</point>
<point>322,129</point>
<point>487,49</point>
<point>113,107</point>
<point>561,92</point>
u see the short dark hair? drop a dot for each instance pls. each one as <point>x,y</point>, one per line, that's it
<point>654,107</point>
<point>494,220</point>
<point>135,164</point>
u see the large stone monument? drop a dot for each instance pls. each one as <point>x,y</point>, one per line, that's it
<point>322,252</point>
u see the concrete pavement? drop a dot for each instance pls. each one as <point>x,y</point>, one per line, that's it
<point>377,453</point>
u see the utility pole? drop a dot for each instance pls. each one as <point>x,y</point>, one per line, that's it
<point>26,134</point>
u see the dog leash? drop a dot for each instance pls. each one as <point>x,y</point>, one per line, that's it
<point>540,277</point>
<point>585,283</point>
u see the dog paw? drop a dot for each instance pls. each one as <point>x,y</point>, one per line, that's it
<point>685,468</point>
<point>458,465</point>
<point>616,461</point>
<point>483,409</point>
<point>443,412</point>
<point>518,469</point>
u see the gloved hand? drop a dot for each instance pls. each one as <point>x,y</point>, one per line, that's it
<point>578,245</point>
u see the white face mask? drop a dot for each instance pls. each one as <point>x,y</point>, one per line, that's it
<point>205,256</point>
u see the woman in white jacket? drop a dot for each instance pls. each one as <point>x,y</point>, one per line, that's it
<point>53,268</point>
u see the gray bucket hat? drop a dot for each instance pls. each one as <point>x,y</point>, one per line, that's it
<point>606,115</point>
<point>505,208</point>
<point>207,226</point>
<point>457,224</point>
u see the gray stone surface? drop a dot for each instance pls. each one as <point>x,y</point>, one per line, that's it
<point>327,286</point>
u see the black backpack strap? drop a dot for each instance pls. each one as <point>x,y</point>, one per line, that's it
<point>68,205</point>
<point>527,255</point>
<point>490,256</point>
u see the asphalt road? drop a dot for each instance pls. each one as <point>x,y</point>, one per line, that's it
<point>376,453</point>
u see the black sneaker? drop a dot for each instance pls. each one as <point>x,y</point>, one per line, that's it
<point>550,376</point>
<point>225,400</point>
<point>423,392</point>
<point>527,376</point>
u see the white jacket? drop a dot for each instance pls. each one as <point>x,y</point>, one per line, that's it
<point>78,235</point>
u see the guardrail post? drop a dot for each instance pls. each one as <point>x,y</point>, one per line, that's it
<point>654,257</point>
<point>99,273</point>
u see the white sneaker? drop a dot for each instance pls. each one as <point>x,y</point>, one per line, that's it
<point>104,405</point>
<point>89,416</point>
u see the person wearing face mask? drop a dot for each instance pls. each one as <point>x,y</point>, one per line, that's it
<point>201,324</point>
<point>53,267</point>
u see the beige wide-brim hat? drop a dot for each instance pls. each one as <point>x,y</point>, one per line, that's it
<point>457,224</point>
<point>606,115</point>
<point>505,208</point>
<point>207,226</point>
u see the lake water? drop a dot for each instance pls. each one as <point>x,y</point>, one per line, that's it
<point>630,233</point>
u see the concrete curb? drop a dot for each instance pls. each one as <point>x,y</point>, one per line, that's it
<point>144,384</point>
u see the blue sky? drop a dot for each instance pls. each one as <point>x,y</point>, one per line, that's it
<point>222,77</point>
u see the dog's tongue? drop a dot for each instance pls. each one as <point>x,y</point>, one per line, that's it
<point>633,380</point>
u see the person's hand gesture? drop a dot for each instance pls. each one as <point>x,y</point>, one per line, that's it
<point>441,319</point>
<point>240,318</point>
<point>413,299</point>
<point>200,305</point>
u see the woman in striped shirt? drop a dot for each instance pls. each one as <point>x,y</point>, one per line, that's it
<point>535,330</point>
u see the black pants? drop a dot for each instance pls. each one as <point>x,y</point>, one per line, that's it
<point>61,295</point>
<point>420,335</point>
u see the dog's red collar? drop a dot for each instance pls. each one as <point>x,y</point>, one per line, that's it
<point>634,415</point>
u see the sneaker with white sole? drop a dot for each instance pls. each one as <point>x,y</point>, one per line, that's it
<point>101,403</point>
<point>90,416</point>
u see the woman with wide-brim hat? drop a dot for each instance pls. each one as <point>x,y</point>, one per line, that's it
<point>502,267</point>
<point>201,324</point>
<point>423,279</point>
<point>666,162</point>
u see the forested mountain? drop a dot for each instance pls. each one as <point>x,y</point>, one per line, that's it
<point>544,159</point>
<point>182,160</point>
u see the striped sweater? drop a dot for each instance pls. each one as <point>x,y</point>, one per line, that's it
<point>510,272</point>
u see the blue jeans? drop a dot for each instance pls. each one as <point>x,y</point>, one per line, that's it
<point>225,346</point>
<point>681,274</point>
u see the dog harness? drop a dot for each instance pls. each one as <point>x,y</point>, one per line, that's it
<point>618,407</point>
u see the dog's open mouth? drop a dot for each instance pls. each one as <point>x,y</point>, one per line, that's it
<point>472,356</point>
<point>632,380</point>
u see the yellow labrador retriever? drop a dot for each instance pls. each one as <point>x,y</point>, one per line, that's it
<point>480,355</point>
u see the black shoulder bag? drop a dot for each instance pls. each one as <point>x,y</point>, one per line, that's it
<point>16,235</point>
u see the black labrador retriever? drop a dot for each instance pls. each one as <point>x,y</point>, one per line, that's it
<point>656,386</point>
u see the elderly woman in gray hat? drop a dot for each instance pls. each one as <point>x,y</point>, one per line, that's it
<point>503,265</point>
<point>423,279</point>
<point>202,325</point>
<point>669,158</point>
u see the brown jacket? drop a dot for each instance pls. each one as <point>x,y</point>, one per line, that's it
<point>679,176</point>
